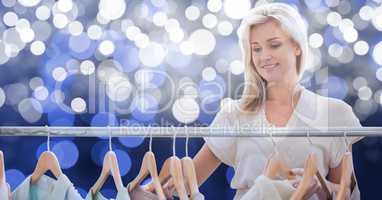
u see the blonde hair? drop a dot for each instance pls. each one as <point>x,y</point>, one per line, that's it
<point>290,21</point>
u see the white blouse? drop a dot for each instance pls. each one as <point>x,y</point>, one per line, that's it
<point>248,156</point>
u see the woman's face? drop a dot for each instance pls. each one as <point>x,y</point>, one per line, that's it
<point>274,53</point>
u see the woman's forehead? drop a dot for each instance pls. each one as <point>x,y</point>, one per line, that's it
<point>267,31</point>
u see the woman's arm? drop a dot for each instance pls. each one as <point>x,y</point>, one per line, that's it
<point>205,164</point>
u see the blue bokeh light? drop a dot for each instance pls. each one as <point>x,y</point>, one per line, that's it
<point>127,56</point>
<point>59,117</point>
<point>211,91</point>
<point>14,178</point>
<point>336,87</point>
<point>104,119</point>
<point>67,153</point>
<point>79,43</point>
<point>144,107</point>
<point>98,152</point>
<point>131,142</point>
<point>124,161</point>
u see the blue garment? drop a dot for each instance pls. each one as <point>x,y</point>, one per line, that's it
<point>123,194</point>
<point>47,188</point>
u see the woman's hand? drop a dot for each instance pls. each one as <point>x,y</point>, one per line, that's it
<point>313,188</point>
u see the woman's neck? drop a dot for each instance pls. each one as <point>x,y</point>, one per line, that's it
<point>282,93</point>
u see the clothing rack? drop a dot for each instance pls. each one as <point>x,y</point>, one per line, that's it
<point>148,131</point>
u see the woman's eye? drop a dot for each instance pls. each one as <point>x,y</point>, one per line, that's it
<point>256,49</point>
<point>275,45</point>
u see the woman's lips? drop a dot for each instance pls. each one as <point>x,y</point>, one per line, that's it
<point>271,66</point>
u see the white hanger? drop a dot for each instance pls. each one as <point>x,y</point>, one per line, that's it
<point>47,161</point>
<point>109,167</point>
<point>148,166</point>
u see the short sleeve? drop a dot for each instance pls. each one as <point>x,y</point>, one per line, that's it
<point>338,147</point>
<point>224,148</point>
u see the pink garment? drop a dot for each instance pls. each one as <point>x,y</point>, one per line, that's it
<point>139,194</point>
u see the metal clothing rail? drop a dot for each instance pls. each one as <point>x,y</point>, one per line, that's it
<point>189,131</point>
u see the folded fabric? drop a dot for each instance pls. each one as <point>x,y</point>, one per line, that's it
<point>46,188</point>
<point>268,189</point>
<point>123,194</point>
<point>140,194</point>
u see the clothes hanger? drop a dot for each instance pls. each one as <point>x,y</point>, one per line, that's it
<point>346,172</point>
<point>109,167</point>
<point>319,176</point>
<point>310,170</point>
<point>148,166</point>
<point>47,161</point>
<point>172,169</point>
<point>189,170</point>
<point>275,166</point>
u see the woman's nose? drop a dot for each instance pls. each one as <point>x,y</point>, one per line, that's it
<point>266,57</point>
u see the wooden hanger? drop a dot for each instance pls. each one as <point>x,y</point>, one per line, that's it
<point>172,169</point>
<point>310,169</point>
<point>46,162</point>
<point>276,167</point>
<point>2,169</point>
<point>320,178</point>
<point>189,172</point>
<point>190,175</point>
<point>148,166</point>
<point>347,176</point>
<point>109,167</point>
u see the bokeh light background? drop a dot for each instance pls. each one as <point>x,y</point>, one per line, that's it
<point>157,62</point>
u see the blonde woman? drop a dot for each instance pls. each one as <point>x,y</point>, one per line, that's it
<point>273,40</point>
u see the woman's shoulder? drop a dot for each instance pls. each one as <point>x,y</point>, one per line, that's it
<point>334,105</point>
<point>328,111</point>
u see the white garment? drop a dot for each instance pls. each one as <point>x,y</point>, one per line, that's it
<point>123,194</point>
<point>47,188</point>
<point>248,155</point>
<point>4,191</point>
<point>268,189</point>
<point>197,196</point>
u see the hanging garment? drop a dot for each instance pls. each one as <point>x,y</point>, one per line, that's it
<point>5,192</point>
<point>139,194</point>
<point>46,188</point>
<point>248,156</point>
<point>197,196</point>
<point>123,194</point>
<point>265,188</point>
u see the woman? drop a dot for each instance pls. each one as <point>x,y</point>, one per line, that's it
<point>273,40</point>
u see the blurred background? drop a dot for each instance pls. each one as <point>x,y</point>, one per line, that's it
<point>164,63</point>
